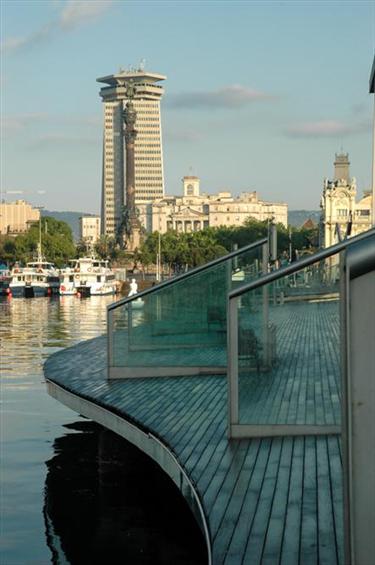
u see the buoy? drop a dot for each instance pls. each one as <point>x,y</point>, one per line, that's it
<point>79,294</point>
<point>49,291</point>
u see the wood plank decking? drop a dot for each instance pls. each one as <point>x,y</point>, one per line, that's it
<point>265,501</point>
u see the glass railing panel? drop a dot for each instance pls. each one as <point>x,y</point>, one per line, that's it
<point>184,323</point>
<point>289,349</point>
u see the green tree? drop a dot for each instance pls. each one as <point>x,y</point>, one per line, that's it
<point>56,238</point>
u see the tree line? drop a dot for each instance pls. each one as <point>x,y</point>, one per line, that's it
<point>178,251</point>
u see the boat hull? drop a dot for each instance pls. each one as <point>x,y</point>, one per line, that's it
<point>29,291</point>
<point>90,290</point>
<point>102,292</point>
<point>4,288</point>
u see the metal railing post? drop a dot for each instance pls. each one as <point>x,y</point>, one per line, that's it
<point>265,309</point>
<point>232,362</point>
<point>358,354</point>
<point>110,329</point>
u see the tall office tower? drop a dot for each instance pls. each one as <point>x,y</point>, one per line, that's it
<point>149,177</point>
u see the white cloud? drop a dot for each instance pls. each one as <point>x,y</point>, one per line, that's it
<point>16,43</point>
<point>18,122</point>
<point>73,13</point>
<point>233,96</point>
<point>76,12</point>
<point>325,128</point>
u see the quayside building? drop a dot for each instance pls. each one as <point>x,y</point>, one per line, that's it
<point>16,217</point>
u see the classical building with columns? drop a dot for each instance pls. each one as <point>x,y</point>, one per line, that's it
<point>341,214</point>
<point>194,211</point>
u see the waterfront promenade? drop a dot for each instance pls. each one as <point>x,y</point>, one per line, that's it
<point>265,500</point>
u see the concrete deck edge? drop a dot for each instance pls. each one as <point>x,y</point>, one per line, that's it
<point>146,442</point>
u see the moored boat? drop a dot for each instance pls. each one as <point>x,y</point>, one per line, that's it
<point>47,268</point>
<point>38,278</point>
<point>92,277</point>
<point>67,286</point>
<point>28,283</point>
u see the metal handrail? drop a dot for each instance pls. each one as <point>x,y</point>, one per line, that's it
<point>298,265</point>
<point>188,274</point>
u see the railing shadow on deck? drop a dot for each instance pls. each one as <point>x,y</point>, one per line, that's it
<point>179,326</point>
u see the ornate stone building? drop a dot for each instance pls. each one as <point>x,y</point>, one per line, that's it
<point>341,215</point>
<point>195,211</point>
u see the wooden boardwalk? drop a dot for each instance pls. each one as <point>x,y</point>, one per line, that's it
<point>265,501</point>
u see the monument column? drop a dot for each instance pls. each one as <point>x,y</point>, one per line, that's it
<point>132,223</point>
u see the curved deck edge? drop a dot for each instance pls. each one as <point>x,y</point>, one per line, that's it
<point>146,442</point>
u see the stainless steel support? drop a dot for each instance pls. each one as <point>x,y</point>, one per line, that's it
<point>359,403</point>
<point>232,357</point>
<point>110,330</point>
<point>265,291</point>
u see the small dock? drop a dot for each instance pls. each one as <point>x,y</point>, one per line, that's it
<point>258,501</point>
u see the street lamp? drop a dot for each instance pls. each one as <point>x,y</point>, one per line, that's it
<point>40,257</point>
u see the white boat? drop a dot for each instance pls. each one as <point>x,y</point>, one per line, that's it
<point>38,278</point>
<point>26,282</point>
<point>49,269</point>
<point>67,286</point>
<point>91,277</point>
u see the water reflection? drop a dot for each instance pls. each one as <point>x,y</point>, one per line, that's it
<point>106,502</point>
<point>30,330</point>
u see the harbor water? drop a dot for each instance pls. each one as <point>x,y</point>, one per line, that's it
<point>71,491</point>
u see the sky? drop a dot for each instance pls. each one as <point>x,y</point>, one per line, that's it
<point>259,95</point>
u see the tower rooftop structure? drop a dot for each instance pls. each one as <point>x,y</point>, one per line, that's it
<point>145,83</point>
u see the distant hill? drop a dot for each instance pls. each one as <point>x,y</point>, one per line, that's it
<point>297,218</point>
<point>71,218</point>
